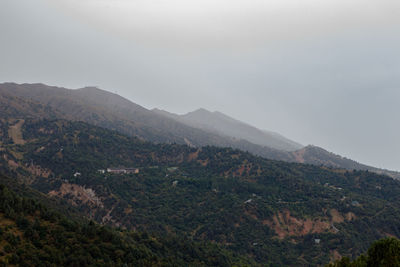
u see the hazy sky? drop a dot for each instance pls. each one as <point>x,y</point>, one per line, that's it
<point>322,72</point>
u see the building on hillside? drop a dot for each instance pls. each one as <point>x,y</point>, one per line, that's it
<point>77,174</point>
<point>132,170</point>
<point>172,169</point>
<point>116,170</point>
<point>123,170</point>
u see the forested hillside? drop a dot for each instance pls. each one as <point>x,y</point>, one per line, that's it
<point>382,253</point>
<point>274,212</point>
<point>31,234</point>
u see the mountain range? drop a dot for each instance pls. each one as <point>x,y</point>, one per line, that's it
<point>154,188</point>
<point>198,128</point>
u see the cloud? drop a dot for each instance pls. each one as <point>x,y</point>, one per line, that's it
<point>198,24</point>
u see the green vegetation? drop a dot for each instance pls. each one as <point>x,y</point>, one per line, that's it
<point>382,253</point>
<point>33,235</point>
<point>277,213</point>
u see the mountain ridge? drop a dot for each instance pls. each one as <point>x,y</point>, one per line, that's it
<point>220,123</point>
<point>109,110</point>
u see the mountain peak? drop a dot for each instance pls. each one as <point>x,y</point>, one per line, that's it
<point>200,111</point>
<point>222,124</point>
<point>214,115</point>
<point>90,88</point>
<point>94,90</point>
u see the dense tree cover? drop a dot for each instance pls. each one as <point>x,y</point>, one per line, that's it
<point>269,210</point>
<point>33,235</point>
<point>382,253</point>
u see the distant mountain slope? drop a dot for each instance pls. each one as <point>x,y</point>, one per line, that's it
<point>319,156</point>
<point>98,107</point>
<point>111,111</point>
<point>17,107</point>
<point>114,112</point>
<point>219,123</point>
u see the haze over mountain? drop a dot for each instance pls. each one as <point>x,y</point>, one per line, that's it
<point>219,123</point>
<point>114,112</point>
<point>222,124</point>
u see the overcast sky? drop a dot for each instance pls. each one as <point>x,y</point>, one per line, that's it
<point>322,72</point>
